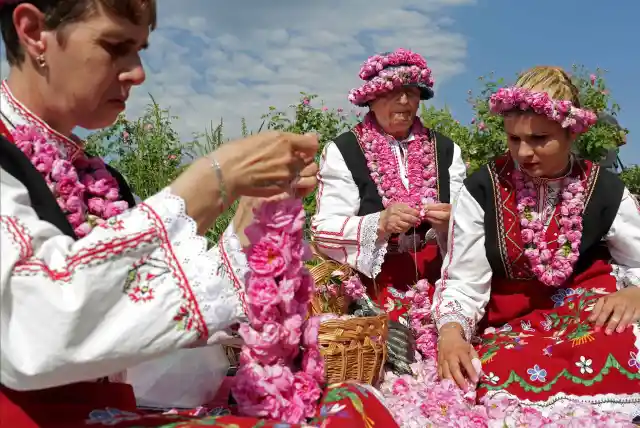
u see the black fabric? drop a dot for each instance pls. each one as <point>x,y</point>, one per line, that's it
<point>597,218</point>
<point>43,203</point>
<point>370,200</point>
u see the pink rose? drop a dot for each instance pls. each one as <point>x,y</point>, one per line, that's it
<point>262,291</point>
<point>311,331</point>
<point>282,216</point>
<point>96,206</point>
<point>291,333</point>
<point>265,258</point>
<point>313,364</point>
<point>527,235</point>
<point>306,388</point>
<point>112,194</point>
<point>99,187</point>
<point>265,345</point>
<point>115,208</point>
<point>62,169</point>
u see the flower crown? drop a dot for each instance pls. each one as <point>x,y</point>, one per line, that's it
<point>562,111</point>
<point>383,73</point>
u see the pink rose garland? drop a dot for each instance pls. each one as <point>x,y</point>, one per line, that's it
<point>551,268</point>
<point>383,165</point>
<point>278,291</point>
<point>86,192</point>
<point>562,111</point>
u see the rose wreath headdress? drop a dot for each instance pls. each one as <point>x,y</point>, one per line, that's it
<point>550,267</point>
<point>385,72</point>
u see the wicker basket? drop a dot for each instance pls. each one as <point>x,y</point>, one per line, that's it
<point>322,269</point>
<point>354,348</point>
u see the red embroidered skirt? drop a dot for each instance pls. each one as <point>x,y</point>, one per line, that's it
<point>539,346</point>
<point>399,272</point>
<point>347,405</point>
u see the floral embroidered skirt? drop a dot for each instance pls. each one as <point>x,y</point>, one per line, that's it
<point>540,348</point>
<point>347,405</point>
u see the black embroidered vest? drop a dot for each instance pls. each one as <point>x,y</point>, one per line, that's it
<point>370,200</point>
<point>492,189</point>
<point>13,161</point>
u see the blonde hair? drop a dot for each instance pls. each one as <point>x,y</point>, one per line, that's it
<point>552,80</point>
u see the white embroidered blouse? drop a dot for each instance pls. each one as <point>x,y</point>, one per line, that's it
<point>339,232</point>
<point>463,296</point>
<point>137,287</point>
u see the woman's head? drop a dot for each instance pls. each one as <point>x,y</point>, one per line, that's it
<point>395,111</point>
<point>542,118</point>
<point>74,62</point>
<point>394,84</point>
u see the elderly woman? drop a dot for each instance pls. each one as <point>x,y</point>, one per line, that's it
<point>90,283</point>
<point>385,187</point>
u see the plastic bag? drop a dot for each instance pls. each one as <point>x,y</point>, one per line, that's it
<point>183,379</point>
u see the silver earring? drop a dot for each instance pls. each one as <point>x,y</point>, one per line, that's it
<point>41,61</point>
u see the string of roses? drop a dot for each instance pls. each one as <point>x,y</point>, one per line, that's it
<point>278,293</point>
<point>85,191</point>
<point>384,168</point>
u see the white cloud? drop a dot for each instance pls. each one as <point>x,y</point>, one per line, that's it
<point>211,59</point>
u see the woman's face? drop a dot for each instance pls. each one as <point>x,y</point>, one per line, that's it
<point>540,146</point>
<point>396,110</point>
<point>91,69</point>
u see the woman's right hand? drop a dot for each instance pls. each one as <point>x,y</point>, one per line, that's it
<point>457,360</point>
<point>265,164</point>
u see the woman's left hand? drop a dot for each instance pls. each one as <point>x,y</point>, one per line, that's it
<point>617,310</point>
<point>438,216</point>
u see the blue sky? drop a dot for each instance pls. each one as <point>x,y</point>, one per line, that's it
<point>211,59</point>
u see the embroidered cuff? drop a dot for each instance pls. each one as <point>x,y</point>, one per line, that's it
<point>468,328</point>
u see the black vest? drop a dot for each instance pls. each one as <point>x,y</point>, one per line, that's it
<point>597,218</point>
<point>370,200</point>
<point>13,161</point>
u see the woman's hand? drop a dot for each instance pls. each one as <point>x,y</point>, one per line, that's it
<point>302,187</point>
<point>266,164</point>
<point>438,216</point>
<point>397,218</point>
<point>457,360</point>
<point>617,310</point>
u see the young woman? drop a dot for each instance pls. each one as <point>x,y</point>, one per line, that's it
<point>543,263</point>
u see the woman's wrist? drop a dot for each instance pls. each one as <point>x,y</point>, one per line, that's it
<point>451,329</point>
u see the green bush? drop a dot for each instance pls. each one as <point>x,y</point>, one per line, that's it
<point>150,154</point>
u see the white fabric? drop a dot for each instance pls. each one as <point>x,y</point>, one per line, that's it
<point>138,288</point>
<point>464,290</point>
<point>339,232</point>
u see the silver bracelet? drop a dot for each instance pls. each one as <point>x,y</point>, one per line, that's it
<point>223,188</point>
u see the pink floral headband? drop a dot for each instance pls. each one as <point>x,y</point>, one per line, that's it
<point>383,73</point>
<point>562,111</point>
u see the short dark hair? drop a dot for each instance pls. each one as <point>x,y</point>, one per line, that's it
<point>59,13</point>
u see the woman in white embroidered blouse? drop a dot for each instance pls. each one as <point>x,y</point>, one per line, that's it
<point>142,282</point>
<point>528,268</point>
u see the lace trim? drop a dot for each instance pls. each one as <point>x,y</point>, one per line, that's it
<point>372,252</point>
<point>623,403</point>
<point>216,299</point>
<point>234,262</point>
